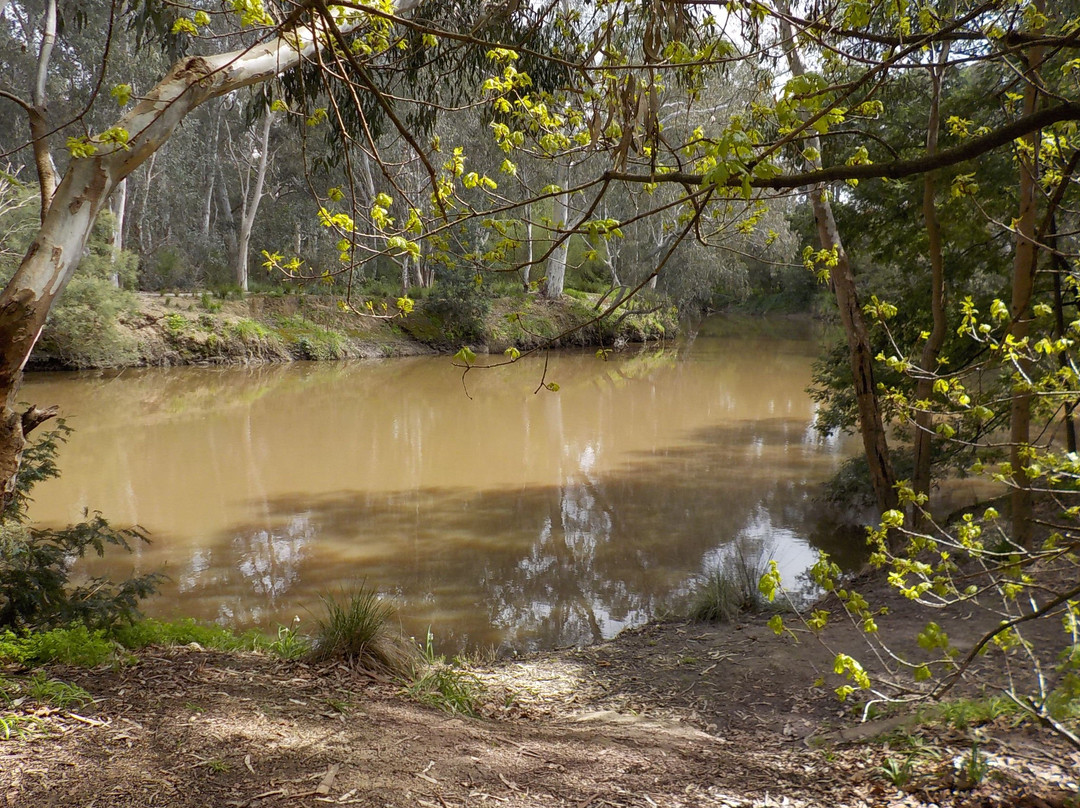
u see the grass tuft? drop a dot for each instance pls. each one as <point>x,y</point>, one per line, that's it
<point>355,629</point>
<point>444,685</point>
<point>290,644</point>
<point>55,693</point>
<point>731,590</point>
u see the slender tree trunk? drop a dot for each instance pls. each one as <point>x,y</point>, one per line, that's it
<point>527,269</point>
<point>40,125</point>
<point>251,205</point>
<point>1024,266</point>
<point>860,355</point>
<point>119,211</point>
<point>556,265</point>
<point>144,208</point>
<point>225,211</point>
<point>1061,266</point>
<point>211,170</point>
<point>932,349</point>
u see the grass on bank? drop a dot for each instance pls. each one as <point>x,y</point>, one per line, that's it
<point>445,685</point>
<point>730,590</point>
<point>355,628</point>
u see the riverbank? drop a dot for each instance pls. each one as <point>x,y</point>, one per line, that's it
<point>167,330</point>
<point>671,714</point>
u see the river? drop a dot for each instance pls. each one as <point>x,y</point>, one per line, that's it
<point>496,515</point>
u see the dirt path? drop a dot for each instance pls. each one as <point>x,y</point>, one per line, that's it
<point>668,715</point>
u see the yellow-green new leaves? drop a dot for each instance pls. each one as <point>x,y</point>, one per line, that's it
<point>820,261</point>
<point>252,12</point>
<point>341,221</point>
<point>183,25</point>
<point>770,583</point>
<point>845,665</point>
<point>465,355</point>
<point>399,245</point>
<point>83,146</point>
<point>122,94</point>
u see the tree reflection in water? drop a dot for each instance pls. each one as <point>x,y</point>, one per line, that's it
<point>506,519</point>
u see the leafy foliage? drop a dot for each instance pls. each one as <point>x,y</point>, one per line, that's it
<point>458,305</point>
<point>35,565</point>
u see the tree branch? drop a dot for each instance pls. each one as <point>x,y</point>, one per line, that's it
<point>1042,611</point>
<point>894,170</point>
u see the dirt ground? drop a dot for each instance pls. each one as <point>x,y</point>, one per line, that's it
<point>672,714</point>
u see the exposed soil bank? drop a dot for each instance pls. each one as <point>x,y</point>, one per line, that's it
<point>181,330</point>
<point>677,714</point>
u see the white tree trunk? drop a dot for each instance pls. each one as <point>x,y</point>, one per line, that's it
<point>119,211</point>
<point>251,205</point>
<point>556,265</point>
<point>527,269</point>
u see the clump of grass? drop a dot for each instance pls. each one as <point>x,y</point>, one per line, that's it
<point>444,685</point>
<point>973,767</point>
<point>18,725</point>
<point>248,330</point>
<point>731,589</point>
<point>961,714</point>
<point>356,629</point>
<point>55,693</point>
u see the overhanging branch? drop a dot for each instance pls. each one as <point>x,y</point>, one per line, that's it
<point>894,170</point>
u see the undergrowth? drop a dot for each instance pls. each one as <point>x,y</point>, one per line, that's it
<point>445,685</point>
<point>355,628</point>
<point>36,590</point>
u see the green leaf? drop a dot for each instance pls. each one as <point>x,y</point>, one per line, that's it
<point>122,94</point>
<point>465,355</point>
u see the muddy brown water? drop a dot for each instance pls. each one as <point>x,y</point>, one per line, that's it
<point>498,516</point>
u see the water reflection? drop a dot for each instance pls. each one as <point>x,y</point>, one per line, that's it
<point>509,519</point>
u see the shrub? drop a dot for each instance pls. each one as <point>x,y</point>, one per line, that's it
<point>68,646</point>
<point>458,305</point>
<point>355,629</point>
<point>35,565</point>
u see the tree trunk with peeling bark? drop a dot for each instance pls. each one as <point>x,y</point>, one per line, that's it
<point>860,356</point>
